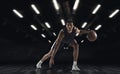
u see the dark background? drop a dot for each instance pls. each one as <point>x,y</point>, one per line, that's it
<point>19,43</point>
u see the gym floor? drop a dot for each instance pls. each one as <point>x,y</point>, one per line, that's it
<point>59,69</point>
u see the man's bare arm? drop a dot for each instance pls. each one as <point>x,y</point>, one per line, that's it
<point>57,43</point>
<point>81,32</point>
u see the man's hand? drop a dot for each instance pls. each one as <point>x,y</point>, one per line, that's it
<point>51,62</point>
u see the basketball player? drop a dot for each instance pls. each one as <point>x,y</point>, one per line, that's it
<point>65,36</point>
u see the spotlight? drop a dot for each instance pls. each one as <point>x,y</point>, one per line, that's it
<point>96,9</point>
<point>56,4</point>
<point>84,24</point>
<point>43,35</point>
<point>33,27</point>
<point>54,33</point>
<point>18,13</point>
<point>47,24</point>
<point>63,22</point>
<point>114,13</point>
<point>76,5</point>
<point>35,9</point>
<point>49,41</point>
<point>82,41</point>
<point>98,27</point>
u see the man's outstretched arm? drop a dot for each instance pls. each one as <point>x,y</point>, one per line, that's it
<point>81,32</point>
<point>57,44</point>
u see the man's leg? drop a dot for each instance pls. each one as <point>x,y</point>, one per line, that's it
<point>75,46</point>
<point>46,56</point>
<point>51,54</point>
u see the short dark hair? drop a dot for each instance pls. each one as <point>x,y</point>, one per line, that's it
<point>69,21</point>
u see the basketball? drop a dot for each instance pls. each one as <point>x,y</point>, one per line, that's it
<point>92,36</point>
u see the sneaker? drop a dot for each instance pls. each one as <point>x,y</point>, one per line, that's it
<point>75,67</point>
<point>38,65</point>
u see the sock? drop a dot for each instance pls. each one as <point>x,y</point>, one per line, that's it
<point>74,63</point>
<point>40,62</point>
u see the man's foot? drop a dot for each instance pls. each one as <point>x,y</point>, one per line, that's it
<point>38,65</point>
<point>75,67</point>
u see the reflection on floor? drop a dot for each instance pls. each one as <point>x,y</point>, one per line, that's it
<point>58,69</point>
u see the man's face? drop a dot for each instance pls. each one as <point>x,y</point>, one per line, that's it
<point>69,27</point>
